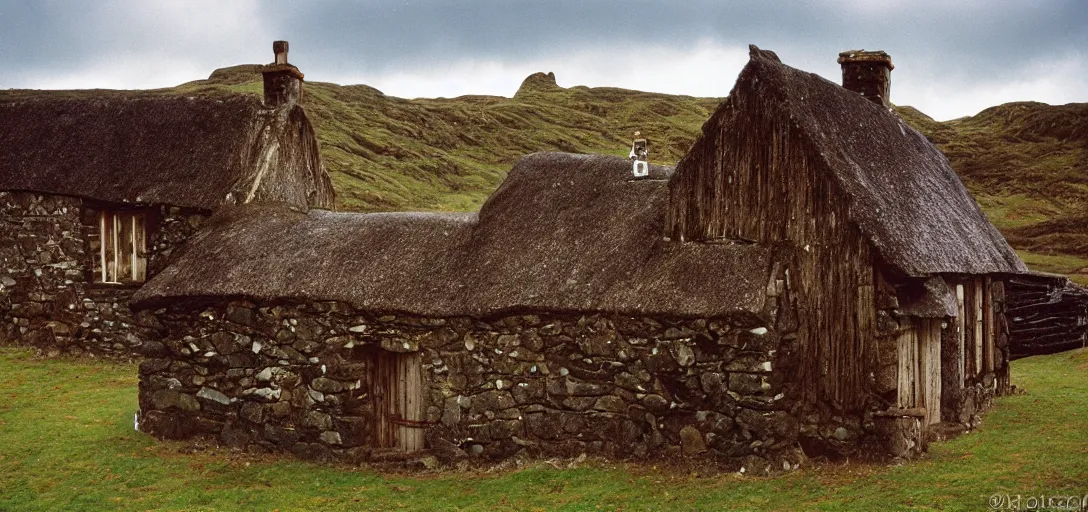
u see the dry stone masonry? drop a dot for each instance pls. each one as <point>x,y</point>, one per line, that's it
<point>48,295</point>
<point>299,378</point>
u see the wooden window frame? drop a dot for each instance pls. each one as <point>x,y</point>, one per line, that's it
<point>122,247</point>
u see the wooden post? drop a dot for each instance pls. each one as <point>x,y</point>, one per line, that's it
<point>961,333</point>
<point>102,242</point>
<point>908,362</point>
<point>988,331</point>
<point>139,248</point>
<point>1001,337</point>
<point>116,238</point>
<point>979,325</point>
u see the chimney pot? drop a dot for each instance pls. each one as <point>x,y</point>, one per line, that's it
<point>282,81</point>
<point>280,49</point>
<point>868,73</point>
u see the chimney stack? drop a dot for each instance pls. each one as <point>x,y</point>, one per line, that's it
<point>280,49</point>
<point>868,74</point>
<point>282,81</point>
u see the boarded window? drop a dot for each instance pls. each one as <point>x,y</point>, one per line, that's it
<point>122,248</point>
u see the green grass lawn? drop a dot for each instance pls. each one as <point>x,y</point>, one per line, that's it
<point>67,443</point>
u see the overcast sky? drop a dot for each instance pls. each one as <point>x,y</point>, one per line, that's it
<point>952,57</point>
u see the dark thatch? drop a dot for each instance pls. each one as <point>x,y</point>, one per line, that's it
<point>931,298</point>
<point>900,189</point>
<point>184,151</point>
<point>564,233</point>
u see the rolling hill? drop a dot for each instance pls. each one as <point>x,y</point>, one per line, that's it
<point>1026,163</point>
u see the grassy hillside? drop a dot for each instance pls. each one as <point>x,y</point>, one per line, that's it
<point>69,445</point>
<point>1026,163</point>
<point>387,153</point>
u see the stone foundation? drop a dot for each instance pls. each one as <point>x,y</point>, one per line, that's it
<point>294,378</point>
<point>48,298</point>
<point>297,378</point>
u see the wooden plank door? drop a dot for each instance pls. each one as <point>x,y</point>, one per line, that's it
<point>908,369</point>
<point>961,334</point>
<point>920,369</point>
<point>410,407</point>
<point>930,347</point>
<point>398,401</point>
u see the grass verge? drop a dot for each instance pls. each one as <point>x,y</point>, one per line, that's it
<point>67,443</point>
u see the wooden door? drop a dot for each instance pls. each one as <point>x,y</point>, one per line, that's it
<point>929,344</point>
<point>398,401</point>
<point>920,369</point>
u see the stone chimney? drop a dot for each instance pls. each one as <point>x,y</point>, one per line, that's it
<point>282,81</point>
<point>868,74</point>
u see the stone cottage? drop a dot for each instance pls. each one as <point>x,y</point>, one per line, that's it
<point>811,279</point>
<point>98,190</point>
<point>898,273</point>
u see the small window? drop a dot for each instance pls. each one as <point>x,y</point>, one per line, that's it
<point>122,248</point>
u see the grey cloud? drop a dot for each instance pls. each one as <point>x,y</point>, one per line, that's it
<point>973,37</point>
<point>968,41</point>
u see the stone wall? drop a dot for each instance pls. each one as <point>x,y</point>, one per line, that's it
<point>48,298</point>
<point>292,377</point>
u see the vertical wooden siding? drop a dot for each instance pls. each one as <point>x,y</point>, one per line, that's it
<point>750,178</point>
<point>977,324</point>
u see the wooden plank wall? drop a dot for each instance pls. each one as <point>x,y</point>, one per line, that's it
<point>1045,314</point>
<point>751,178</point>
<point>978,322</point>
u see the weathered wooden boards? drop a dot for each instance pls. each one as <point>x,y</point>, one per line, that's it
<point>122,247</point>
<point>1046,314</point>
<point>398,401</point>
<point>920,369</point>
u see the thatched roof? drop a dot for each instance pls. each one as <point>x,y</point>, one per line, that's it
<point>563,233</point>
<point>929,298</point>
<point>900,189</point>
<point>195,152</point>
